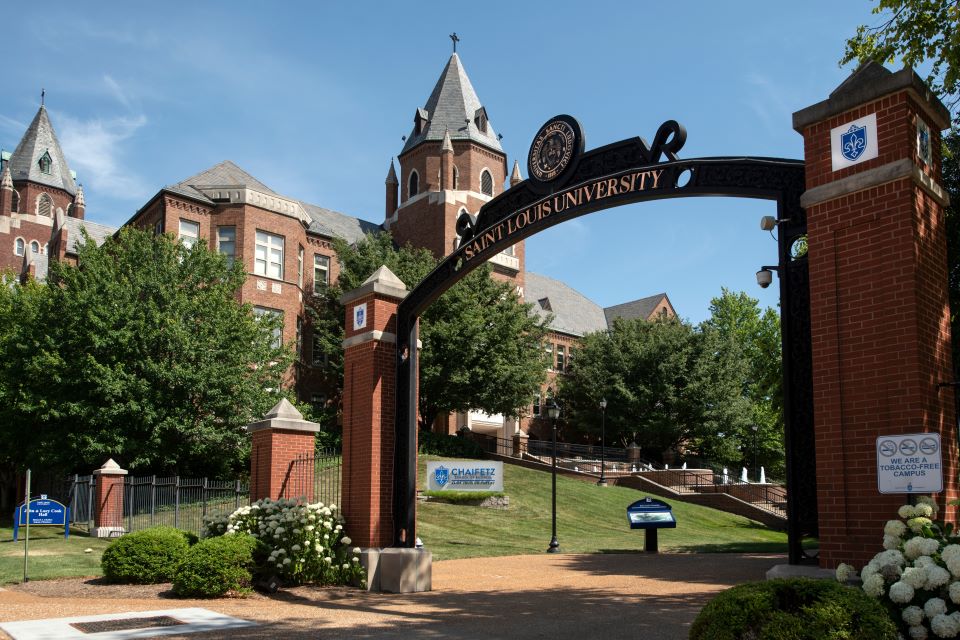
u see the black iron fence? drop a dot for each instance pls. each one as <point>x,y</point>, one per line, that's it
<point>316,478</point>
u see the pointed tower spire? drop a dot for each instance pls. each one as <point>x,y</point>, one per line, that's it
<point>38,158</point>
<point>6,181</point>
<point>446,162</point>
<point>79,208</point>
<point>515,177</point>
<point>393,193</point>
<point>6,191</point>
<point>447,146</point>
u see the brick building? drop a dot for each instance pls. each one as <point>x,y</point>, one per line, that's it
<point>451,163</point>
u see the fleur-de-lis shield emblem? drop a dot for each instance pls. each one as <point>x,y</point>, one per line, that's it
<point>854,142</point>
<point>441,475</point>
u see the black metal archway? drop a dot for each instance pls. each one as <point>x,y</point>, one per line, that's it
<point>564,184</point>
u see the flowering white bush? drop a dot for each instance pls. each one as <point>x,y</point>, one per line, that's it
<point>917,576</point>
<point>306,542</point>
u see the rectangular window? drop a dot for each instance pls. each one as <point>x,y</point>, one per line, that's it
<point>260,312</point>
<point>268,259</point>
<point>561,358</point>
<point>189,232</point>
<point>300,267</point>
<point>571,354</point>
<point>299,338</point>
<point>549,349</point>
<point>227,243</point>
<point>319,358</point>
<point>157,227</point>
<point>321,273</point>
<point>536,405</point>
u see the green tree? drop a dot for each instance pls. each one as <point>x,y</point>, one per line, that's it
<point>915,32</point>
<point>141,353</point>
<point>669,386</point>
<point>481,345</point>
<point>738,318</point>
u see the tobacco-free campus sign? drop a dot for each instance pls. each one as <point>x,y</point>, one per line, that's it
<point>909,463</point>
<point>464,475</point>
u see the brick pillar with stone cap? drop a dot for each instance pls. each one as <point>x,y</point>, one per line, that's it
<point>282,455</point>
<point>879,311</point>
<point>369,407</point>
<point>108,517</point>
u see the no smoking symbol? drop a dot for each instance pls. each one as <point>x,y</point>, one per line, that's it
<point>908,447</point>
<point>928,446</point>
<point>888,448</point>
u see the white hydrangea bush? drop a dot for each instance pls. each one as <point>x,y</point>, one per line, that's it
<point>917,575</point>
<point>306,542</point>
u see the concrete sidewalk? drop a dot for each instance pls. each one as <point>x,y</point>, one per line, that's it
<point>655,597</point>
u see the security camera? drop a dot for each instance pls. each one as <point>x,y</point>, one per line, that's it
<point>764,278</point>
<point>768,223</point>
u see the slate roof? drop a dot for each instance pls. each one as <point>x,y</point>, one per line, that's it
<point>39,139</point>
<point>451,107</point>
<point>224,174</point>
<point>334,224</point>
<point>641,308</point>
<point>572,311</point>
<point>98,232</point>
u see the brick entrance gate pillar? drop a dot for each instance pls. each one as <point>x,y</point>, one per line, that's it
<point>282,454</point>
<point>108,517</point>
<point>879,312</point>
<point>369,405</point>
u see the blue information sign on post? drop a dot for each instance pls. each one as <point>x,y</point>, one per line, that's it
<point>44,512</point>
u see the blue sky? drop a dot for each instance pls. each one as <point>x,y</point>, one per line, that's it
<point>312,99</point>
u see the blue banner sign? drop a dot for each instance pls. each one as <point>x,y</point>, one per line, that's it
<point>650,513</point>
<point>42,511</point>
<point>464,475</point>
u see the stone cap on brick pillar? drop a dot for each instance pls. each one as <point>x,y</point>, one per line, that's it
<point>284,416</point>
<point>870,81</point>
<point>383,281</point>
<point>110,468</point>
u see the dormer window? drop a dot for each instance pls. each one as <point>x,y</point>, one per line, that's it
<point>420,120</point>
<point>45,162</point>
<point>480,119</point>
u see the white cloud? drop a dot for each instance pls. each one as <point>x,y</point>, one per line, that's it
<point>9,125</point>
<point>115,90</point>
<point>96,150</point>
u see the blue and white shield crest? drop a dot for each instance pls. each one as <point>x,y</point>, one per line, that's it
<point>441,475</point>
<point>854,142</point>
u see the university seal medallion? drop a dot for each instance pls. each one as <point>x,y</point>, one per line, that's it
<point>554,148</point>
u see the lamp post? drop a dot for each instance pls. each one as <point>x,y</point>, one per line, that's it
<point>553,412</point>
<point>603,443</point>
<point>755,468</point>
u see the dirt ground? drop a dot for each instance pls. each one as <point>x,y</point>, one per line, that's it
<point>655,597</point>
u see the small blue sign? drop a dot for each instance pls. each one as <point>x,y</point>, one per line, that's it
<point>42,512</point>
<point>650,513</point>
<point>854,142</point>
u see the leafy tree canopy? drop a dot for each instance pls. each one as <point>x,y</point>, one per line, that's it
<point>141,353</point>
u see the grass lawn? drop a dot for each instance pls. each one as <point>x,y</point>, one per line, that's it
<point>50,555</point>
<point>590,519</point>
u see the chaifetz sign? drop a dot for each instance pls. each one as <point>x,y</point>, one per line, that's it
<point>464,475</point>
<point>909,463</point>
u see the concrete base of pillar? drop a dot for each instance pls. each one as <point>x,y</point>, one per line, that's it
<point>107,532</point>
<point>397,570</point>
<point>800,571</point>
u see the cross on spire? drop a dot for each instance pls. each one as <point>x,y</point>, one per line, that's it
<point>456,39</point>
<point>43,94</point>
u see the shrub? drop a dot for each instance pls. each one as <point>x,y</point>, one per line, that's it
<point>146,556</point>
<point>437,444</point>
<point>217,566</point>
<point>793,609</point>
<point>304,542</point>
<point>917,576</point>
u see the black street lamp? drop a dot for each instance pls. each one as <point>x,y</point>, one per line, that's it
<point>755,468</point>
<point>603,443</point>
<point>553,412</point>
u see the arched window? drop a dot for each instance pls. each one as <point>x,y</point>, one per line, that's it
<point>18,247</point>
<point>456,178</point>
<point>16,202</point>
<point>46,248</point>
<point>44,205</point>
<point>34,247</point>
<point>413,185</point>
<point>486,183</point>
